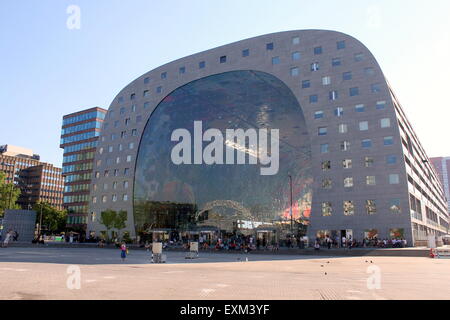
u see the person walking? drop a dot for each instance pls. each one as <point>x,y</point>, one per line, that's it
<point>123,251</point>
<point>8,236</point>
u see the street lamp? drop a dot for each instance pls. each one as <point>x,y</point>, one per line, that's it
<point>290,210</point>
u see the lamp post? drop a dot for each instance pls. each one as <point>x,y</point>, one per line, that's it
<point>290,210</point>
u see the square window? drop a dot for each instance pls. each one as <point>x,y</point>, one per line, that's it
<point>127,121</point>
<point>336,62</point>
<point>342,128</point>
<point>146,80</point>
<point>370,180</point>
<point>315,66</point>
<point>131,145</point>
<point>122,110</point>
<point>295,40</point>
<point>306,84</point>
<point>116,123</point>
<point>368,162</point>
<point>369,71</point>
<point>275,60</point>
<point>322,131</point>
<point>326,80</point>
<point>391,159</point>
<point>125,184</point>
<point>340,45</point>
<point>326,184</point>
<point>364,126</point>
<point>269,46</point>
<point>347,163</point>
<point>347,76</point>
<point>359,56</point>
<point>339,112</point>
<point>134,132</point>
<point>348,182</point>
<point>360,108</point>
<point>324,148</point>
<point>296,55</point>
<point>318,114</point>
<point>326,165</point>
<point>371,207</point>
<point>245,52</point>
<point>376,88</point>
<point>381,105</point>
<point>354,92</point>
<point>145,94</point>
<point>326,209</point>
<point>133,108</point>
<point>182,70</point>
<point>317,50</point>
<point>132,96</point>
<point>388,141</point>
<point>295,72</point>
<point>366,143</point>
<point>159,89</point>
<point>349,208</point>
<point>313,98</point>
<point>223,59</point>
<point>163,75</point>
<point>120,99</point>
<point>385,123</point>
<point>110,149</point>
<point>201,64</point>
<point>125,197</point>
<point>126,171</point>
<point>394,206</point>
<point>146,105</point>
<point>345,145</point>
<point>394,179</point>
<point>138,119</point>
<point>333,95</point>
<point>128,158</point>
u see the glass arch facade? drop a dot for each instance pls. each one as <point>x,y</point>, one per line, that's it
<point>179,201</point>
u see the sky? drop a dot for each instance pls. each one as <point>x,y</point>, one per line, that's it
<point>49,70</point>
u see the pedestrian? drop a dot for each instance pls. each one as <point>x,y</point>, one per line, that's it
<point>329,242</point>
<point>8,236</point>
<point>123,251</point>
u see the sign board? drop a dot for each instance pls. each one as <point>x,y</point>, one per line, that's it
<point>157,247</point>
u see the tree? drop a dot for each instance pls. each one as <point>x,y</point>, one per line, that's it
<point>108,218</point>
<point>52,218</point>
<point>119,222</point>
<point>9,193</point>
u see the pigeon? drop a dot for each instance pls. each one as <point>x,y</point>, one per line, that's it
<point>321,265</point>
<point>328,261</point>
<point>371,261</point>
<point>325,273</point>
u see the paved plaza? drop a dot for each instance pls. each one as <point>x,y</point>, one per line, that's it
<point>47,273</point>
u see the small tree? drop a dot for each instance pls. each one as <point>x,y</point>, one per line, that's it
<point>54,219</point>
<point>9,193</point>
<point>119,222</point>
<point>108,218</point>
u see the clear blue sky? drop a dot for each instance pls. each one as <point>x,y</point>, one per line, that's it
<point>48,70</point>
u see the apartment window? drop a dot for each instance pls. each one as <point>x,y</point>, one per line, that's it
<point>368,162</point>
<point>269,46</point>
<point>120,147</point>
<point>125,184</point>
<point>131,145</point>
<point>132,96</point>
<point>134,132</point>
<point>138,119</point>
<point>349,208</point>
<point>117,160</point>
<point>339,112</point>
<point>146,105</point>
<point>340,45</point>
<point>317,50</point>
<point>163,75</point>
<point>318,114</point>
<point>342,128</point>
<point>388,141</point>
<point>394,206</point>
<point>360,108</point>
<point>116,172</point>
<point>94,199</point>
<point>201,64</point>
<point>313,98</point>
<point>306,84</point>
<point>347,76</point>
<point>324,148</point>
<point>315,66</point>
<point>114,197</point>
<point>348,182</point>
<point>363,125</point>
<point>116,123</point>
<point>223,59</point>
<point>120,99</point>
<point>345,145</point>
<point>326,81</point>
<point>359,56</point>
<point>391,159</point>
<point>104,198</point>
<point>123,134</point>
<point>245,52</point>
<point>122,110</point>
<point>326,165</point>
<point>354,91</point>
<point>322,131</point>
<point>370,180</point>
<point>326,209</point>
<point>159,89</point>
<point>394,179</point>
<point>336,62</point>
<point>385,123</point>
<point>145,94</point>
<point>100,150</point>
<point>366,143</point>
<point>126,171</point>
<point>369,71</point>
<point>371,207</point>
<point>295,40</point>
<point>275,60</point>
<point>125,197</point>
<point>128,158</point>
<point>326,183</point>
<point>347,163</point>
<point>127,121</point>
<point>295,55</point>
<point>182,70</point>
<point>295,72</point>
<point>376,88</point>
<point>106,173</point>
<point>146,80</point>
<point>99,163</point>
<point>333,95</point>
<point>381,105</point>
<point>97,174</point>
<point>115,185</point>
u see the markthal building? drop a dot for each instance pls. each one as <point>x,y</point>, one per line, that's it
<point>289,134</point>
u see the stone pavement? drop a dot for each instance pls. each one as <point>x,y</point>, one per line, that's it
<point>42,273</point>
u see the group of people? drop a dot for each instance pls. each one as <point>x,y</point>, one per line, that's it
<point>349,243</point>
<point>14,235</point>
